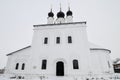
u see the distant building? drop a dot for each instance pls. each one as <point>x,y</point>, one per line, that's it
<point>116,65</point>
<point>2,71</point>
<point>117,68</point>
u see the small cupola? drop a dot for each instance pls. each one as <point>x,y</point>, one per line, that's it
<point>60,17</point>
<point>69,17</point>
<point>60,14</point>
<point>51,14</point>
<point>50,19</point>
<point>69,12</point>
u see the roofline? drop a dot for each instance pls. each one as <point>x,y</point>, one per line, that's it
<point>101,49</point>
<point>84,22</point>
<point>116,63</point>
<point>30,46</point>
<point>18,50</point>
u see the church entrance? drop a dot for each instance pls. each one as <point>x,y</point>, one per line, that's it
<point>59,68</point>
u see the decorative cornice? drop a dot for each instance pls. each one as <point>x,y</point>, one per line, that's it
<point>84,22</point>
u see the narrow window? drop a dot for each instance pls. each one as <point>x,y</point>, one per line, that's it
<point>109,64</point>
<point>44,63</point>
<point>23,66</point>
<point>75,64</point>
<point>17,66</point>
<point>45,40</point>
<point>69,39</point>
<point>19,77</point>
<point>58,40</point>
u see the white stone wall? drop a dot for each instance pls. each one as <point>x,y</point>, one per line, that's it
<point>64,51</point>
<point>93,61</point>
<point>20,57</point>
<point>101,62</point>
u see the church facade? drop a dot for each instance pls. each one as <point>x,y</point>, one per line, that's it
<point>60,49</point>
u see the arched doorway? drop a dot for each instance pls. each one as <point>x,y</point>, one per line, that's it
<point>59,68</point>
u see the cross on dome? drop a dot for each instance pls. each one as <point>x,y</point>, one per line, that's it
<point>69,12</point>
<point>51,14</point>
<point>60,14</point>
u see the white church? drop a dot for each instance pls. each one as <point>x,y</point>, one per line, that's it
<point>60,50</point>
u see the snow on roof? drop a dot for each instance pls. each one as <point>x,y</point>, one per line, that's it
<point>118,62</point>
<point>91,45</point>
<point>97,47</point>
<point>18,50</point>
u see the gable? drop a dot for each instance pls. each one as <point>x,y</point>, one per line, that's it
<point>18,50</point>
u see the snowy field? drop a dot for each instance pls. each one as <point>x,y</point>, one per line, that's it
<point>116,77</point>
<point>3,78</point>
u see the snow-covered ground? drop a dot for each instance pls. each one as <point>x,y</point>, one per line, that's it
<point>2,77</point>
<point>95,77</point>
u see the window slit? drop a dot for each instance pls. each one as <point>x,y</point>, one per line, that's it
<point>58,40</point>
<point>75,64</point>
<point>17,66</point>
<point>23,66</point>
<point>69,39</point>
<point>109,64</point>
<point>45,40</point>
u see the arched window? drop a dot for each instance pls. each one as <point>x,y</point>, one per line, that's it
<point>46,40</point>
<point>75,64</point>
<point>44,64</point>
<point>58,40</point>
<point>23,66</point>
<point>17,66</point>
<point>69,39</point>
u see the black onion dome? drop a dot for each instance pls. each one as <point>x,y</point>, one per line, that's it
<point>60,14</point>
<point>69,13</point>
<point>50,14</point>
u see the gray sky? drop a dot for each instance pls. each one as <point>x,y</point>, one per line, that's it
<point>17,18</point>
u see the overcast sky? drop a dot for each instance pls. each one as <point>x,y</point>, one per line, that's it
<point>17,18</point>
